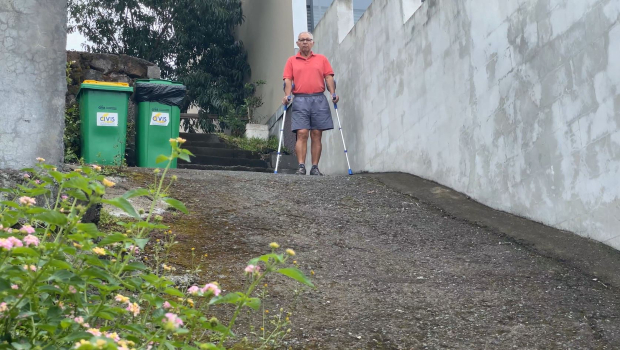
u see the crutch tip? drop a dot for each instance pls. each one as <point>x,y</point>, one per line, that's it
<point>275,172</point>
<point>350,172</point>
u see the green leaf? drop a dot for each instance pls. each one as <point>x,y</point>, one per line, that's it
<point>10,204</point>
<point>173,291</point>
<point>52,217</point>
<point>98,273</point>
<point>254,303</point>
<point>56,175</point>
<point>135,266</point>
<point>78,194</point>
<point>36,210</point>
<point>49,328</point>
<point>60,264</point>
<point>105,316</point>
<point>124,205</point>
<point>4,285</point>
<point>176,204</point>
<point>73,337</point>
<point>161,158</point>
<point>24,251</point>
<point>49,289</point>
<point>185,151</point>
<point>61,276</point>
<point>184,156</point>
<point>78,182</point>
<point>296,275</point>
<point>88,228</point>
<point>265,258</point>
<point>35,192</point>
<point>113,238</point>
<point>64,324</point>
<point>136,192</point>
<point>54,312</point>
<point>230,298</point>
<point>134,328</point>
<point>141,242</point>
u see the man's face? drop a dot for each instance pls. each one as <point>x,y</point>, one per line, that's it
<point>305,43</point>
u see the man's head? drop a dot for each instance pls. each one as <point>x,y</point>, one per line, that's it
<point>305,41</point>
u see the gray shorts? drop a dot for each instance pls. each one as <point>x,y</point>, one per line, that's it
<point>311,112</point>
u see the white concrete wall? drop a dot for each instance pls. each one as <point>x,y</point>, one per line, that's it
<point>267,34</point>
<point>514,102</point>
<point>33,59</point>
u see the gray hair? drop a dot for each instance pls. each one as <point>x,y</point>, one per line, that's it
<point>311,36</point>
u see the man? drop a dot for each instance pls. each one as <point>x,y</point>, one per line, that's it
<point>311,115</point>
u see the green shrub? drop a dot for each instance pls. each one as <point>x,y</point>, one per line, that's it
<point>65,284</point>
<point>253,144</point>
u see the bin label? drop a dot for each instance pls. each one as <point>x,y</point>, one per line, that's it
<point>107,119</point>
<point>159,118</point>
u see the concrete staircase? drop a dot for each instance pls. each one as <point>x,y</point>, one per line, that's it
<point>212,154</point>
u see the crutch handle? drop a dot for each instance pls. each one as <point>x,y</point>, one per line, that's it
<point>335,104</point>
<point>289,100</point>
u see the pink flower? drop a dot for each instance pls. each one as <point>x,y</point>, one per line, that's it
<point>252,269</point>
<point>114,336</point>
<point>193,290</point>
<point>211,287</point>
<point>27,201</point>
<point>38,182</point>
<point>6,244</point>
<point>133,249</point>
<point>31,267</point>
<point>27,229</point>
<point>172,321</point>
<point>3,307</point>
<point>79,320</point>
<point>64,197</point>
<point>72,290</point>
<point>94,331</point>
<point>26,176</point>
<point>134,308</point>
<point>14,286</point>
<point>9,230</point>
<point>166,305</point>
<point>16,242</point>
<point>31,240</point>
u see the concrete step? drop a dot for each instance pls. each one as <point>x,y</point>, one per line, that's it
<point>200,137</point>
<point>233,168</point>
<point>223,152</point>
<point>190,144</point>
<point>183,165</point>
<point>224,161</point>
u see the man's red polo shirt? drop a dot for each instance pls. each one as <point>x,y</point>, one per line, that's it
<point>308,73</point>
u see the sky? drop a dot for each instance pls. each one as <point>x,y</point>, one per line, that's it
<point>74,41</point>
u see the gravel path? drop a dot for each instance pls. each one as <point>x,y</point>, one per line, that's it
<point>391,272</point>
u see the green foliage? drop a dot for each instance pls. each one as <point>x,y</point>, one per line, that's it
<point>190,40</point>
<point>232,117</point>
<point>66,284</point>
<point>253,144</point>
<point>71,137</point>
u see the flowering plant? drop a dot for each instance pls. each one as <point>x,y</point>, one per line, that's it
<point>65,284</point>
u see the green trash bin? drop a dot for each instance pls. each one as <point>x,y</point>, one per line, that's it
<point>103,114</point>
<point>157,121</point>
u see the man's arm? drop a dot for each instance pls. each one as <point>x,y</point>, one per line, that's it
<point>331,87</point>
<point>288,86</point>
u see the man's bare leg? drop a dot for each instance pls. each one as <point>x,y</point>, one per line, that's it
<point>316,146</point>
<point>301,147</point>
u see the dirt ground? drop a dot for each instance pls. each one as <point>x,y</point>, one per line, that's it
<point>391,272</point>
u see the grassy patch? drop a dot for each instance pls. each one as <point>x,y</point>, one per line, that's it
<point>253,144</point>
